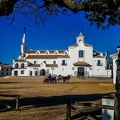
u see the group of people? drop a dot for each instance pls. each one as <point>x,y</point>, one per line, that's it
<point>49,76</point>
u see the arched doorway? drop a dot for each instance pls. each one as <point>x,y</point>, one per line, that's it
<point>42,72</point>
<point>30,73</point>
<point>15,73</point>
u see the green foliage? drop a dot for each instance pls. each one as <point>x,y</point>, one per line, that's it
<point>102,13</point>
<point>6,107</point>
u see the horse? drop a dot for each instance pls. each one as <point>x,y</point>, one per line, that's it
<point>59,78</point>
<point>66,78</point>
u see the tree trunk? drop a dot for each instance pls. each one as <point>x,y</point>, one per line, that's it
<point>117,92</point>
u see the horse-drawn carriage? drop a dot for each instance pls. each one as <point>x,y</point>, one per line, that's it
<point>49,79</point>
<point>56,79</point>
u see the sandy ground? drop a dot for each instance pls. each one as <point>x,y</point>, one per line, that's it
<point>41,101</point>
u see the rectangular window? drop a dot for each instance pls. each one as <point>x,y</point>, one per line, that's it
<point>80,53</point>
<point>22,71</point>
<point>108,66</point>
<point>35,62</point>
<point>98,63</point>
<point>2,69</point>
<point>54,62</point>
<point>63,62</point>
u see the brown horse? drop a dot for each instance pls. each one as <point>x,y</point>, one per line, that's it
<point>59,79</point>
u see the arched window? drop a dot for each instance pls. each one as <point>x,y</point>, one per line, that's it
<point>65,52</point>
<point>16,65</point>
<point>56,52</point>
<point>42,72</point>
<point>22,65</point>
<point>47,52</point>
<point>38,52</point>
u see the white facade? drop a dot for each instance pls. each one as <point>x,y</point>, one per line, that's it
<point>78,59</point>
<point>5,70</point>
<point>115,58</point>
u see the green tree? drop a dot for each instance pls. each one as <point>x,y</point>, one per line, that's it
<point>102,13</point>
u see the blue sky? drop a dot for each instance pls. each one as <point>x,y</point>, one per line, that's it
<point>57,34</point>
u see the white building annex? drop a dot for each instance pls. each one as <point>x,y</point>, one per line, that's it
<point>80,58</point>
<point>5,70</point>
<point>115,58</point>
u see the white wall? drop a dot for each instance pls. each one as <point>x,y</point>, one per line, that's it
<point>114,57</point>
<point>114,71</point>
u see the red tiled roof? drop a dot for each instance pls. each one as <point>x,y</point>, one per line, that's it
<point>43,51</point>
<point>86,44</point>
<point>98,57</point>
<point>74,45</point>
<point>34,65</point>
<point>61,51</point>
<point>20,60</point>
<point>5,66</point>
<point>44,56</point>
<point>64,56</point>
<point>31,51</point>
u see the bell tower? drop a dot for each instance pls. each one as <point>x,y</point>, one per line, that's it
<point>23,45</point>
<point>80,38</point>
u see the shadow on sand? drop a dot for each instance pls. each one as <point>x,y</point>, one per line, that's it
<point>60,100</point>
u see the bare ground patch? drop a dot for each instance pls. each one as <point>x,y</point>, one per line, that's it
<point>41,101</point>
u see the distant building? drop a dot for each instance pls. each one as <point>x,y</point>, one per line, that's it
<point>80,58</point>
<point>5,70</point>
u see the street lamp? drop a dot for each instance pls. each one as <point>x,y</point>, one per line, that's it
<point>52,69</point>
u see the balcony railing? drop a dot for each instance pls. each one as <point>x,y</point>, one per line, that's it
<point>99,64</point>
<point>64,64</point>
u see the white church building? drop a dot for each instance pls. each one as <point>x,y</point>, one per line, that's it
<point>79,58</point>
